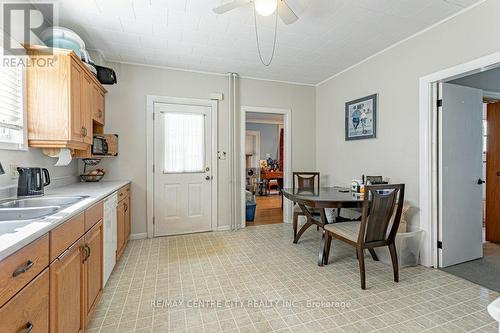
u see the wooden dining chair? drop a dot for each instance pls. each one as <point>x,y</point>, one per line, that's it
<point>382,207</point>
<point>307,181</point>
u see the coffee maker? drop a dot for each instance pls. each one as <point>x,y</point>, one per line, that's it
<point>32,181</point>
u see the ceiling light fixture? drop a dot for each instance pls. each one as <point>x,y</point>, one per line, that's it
<point>266,7</point>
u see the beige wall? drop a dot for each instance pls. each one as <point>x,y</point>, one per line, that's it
<point>394,75</point>
<point>126,115</point>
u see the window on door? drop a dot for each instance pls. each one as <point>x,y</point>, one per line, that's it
<point>184,143</point>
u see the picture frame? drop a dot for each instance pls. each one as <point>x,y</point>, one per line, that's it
<point>361,118</point>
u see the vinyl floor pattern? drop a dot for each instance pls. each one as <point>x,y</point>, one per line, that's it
<point>256,280</point>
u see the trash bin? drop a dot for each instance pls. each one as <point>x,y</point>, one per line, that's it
<point>408,246</point>
<point>250,211</point>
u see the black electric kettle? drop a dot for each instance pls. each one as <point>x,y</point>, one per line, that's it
<point>30,181</point>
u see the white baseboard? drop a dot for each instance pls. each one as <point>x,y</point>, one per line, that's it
<point>141,235</point>
<point>223,228</point>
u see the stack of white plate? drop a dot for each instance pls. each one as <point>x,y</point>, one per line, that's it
<point>65,38</point>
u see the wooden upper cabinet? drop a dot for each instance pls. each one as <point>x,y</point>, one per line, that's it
<point>61,99</point>
<point>75,110</point>
<point>86,109</point>
<point>97,105</point>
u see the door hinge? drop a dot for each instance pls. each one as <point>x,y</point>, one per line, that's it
<point>439,103</point>
<point>440,245</point>
<point>153,116</point>
<point>153,168</point>
<point>153,220</point>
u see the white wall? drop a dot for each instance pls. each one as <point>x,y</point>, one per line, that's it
<point>394,75</point>
<point>33,158</point>
<point>126,115</point>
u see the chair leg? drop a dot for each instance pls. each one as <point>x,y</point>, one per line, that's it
<point>295,226</point>
<point>361,259</point>
<point>328,242</point>
<point>374,255</point>
<point>394,258</point>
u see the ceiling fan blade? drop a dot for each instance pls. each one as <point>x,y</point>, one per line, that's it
<point>230,6</point>
<point>286,13</point>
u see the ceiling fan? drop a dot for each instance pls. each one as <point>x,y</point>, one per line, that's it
<point>262,7</point>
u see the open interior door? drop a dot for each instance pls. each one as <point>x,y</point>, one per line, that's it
<point>460,164</point>
<point>493,174</point>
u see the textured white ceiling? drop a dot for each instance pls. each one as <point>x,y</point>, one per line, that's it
<point>331,35</point>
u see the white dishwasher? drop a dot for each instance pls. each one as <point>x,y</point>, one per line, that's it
<point>109,255</point>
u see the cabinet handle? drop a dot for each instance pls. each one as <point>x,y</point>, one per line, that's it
<point>88,252</point>
<point>83,249</point>
<point>23,269</point>
<point>100,113</point>
<point>126,206</point>
<point>29,327</point>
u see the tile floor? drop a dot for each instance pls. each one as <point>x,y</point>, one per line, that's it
<point>156,284</point>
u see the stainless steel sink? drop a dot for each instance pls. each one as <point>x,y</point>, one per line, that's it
<point>35,208</point>
<point>17,214</point>
<point>40,202</point>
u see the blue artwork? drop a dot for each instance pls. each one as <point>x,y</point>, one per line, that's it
<point>360,118</point>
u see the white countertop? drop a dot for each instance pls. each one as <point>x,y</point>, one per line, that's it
<point>17,234</point>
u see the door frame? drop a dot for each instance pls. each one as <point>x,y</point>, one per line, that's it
<point>150,190</point>
<point>287,173</point>
<point>428,149</point>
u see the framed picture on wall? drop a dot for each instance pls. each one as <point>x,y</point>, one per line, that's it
<point>361,118</point>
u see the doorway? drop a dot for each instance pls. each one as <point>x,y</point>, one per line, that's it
<point>182,149</point>
<point>467,175</point>
<point>265,165</point>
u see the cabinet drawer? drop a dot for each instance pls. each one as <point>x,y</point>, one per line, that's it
<point>66,234</point>
<point>29,308</point>
<point>21,267</point>
<point>123,192</point>
<point>93,215</point>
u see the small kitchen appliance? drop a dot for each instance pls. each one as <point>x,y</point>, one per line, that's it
<point>32,181</point>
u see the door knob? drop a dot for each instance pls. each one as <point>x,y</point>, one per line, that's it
<point>208,178</point>
<point>480,181</point>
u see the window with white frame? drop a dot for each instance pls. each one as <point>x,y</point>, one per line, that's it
<point>12,116</point>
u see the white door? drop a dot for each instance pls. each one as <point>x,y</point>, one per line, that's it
<point>182,173</point>
<point>461,219</point>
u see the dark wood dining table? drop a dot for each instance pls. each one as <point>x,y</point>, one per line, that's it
<point>321,198</point>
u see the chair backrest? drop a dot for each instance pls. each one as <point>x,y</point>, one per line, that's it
<point>305,180</point>
<point>380,204</point>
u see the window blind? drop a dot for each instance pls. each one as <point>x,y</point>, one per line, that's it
<point>11,106</point>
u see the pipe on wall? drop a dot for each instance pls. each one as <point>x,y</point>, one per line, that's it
<point>234,182</point>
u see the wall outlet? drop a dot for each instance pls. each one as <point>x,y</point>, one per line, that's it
<point>13,171</point>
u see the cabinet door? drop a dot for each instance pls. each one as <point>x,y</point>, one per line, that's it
<point>67,299</point>
<point>120,228</point>
<point>97,105</point>
<point>76,103</point>
<point>86,109</point>
<point>94,243</point>
<point>127,220</point>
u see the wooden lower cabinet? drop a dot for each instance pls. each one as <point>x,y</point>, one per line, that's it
<point>123,224</point>
<point>67,292</point>
<point>94,267</point>
<point>28,311</point>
